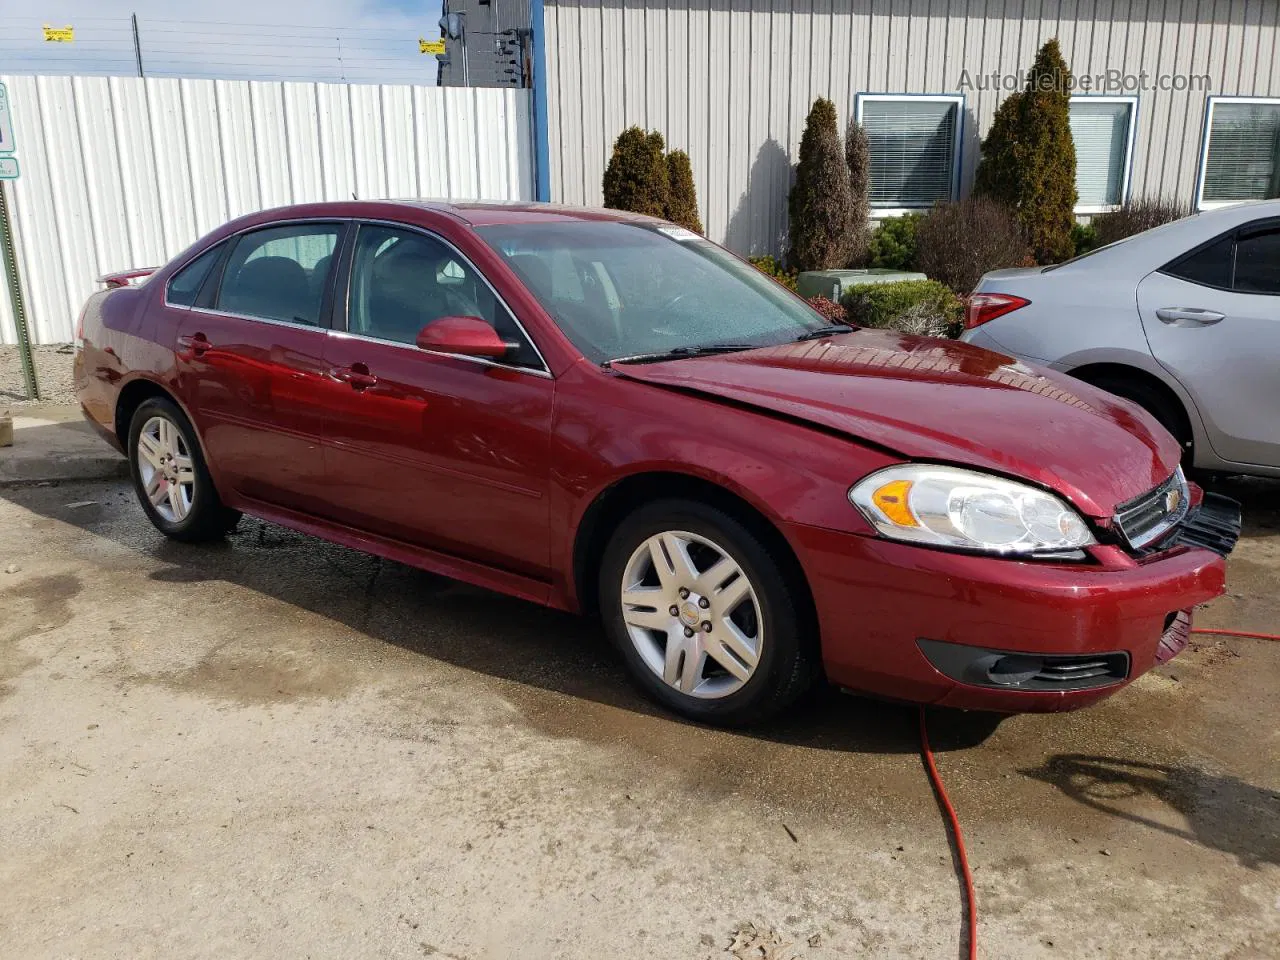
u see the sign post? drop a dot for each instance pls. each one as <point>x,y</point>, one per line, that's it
<point>8,253</point>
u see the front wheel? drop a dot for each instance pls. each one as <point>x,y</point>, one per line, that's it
<point>170,476</point>
<point>710,624</point>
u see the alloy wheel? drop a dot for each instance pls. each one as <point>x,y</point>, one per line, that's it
<point>167,471</point>
<point>692,614</point>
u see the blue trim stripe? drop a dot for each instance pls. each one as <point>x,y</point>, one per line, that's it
<point>541,136</point>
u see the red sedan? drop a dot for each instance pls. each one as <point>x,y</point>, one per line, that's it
<point>609,414</point>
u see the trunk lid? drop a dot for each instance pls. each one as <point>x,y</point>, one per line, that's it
<point>947,402</point>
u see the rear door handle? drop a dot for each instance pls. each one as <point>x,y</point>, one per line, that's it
<point>194,345</point>
<point>358,379</point>
<point>1188,316</point>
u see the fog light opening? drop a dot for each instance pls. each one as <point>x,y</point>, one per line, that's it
<point>1013,671</point>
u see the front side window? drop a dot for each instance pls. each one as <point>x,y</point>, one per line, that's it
<point>914,145</point>
<point>1242,157</point>
<point>625,289</point>
<point>402,280</point>
<point>184,286</point>
<point>279,273</point>
<point>1101,128</point>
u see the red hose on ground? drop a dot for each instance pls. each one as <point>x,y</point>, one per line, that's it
<point>953,822</point>
<point>1237,633</point>
<point>971,904</point>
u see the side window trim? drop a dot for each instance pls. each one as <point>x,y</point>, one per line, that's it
<point>343,327</point>
<point>1237,233</point>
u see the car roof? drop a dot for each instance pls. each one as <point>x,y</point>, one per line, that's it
<point>485,213</point>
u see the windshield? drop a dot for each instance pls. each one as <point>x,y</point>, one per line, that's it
<point>623,289</point>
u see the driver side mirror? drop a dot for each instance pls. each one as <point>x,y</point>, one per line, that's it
<point>466,337</point>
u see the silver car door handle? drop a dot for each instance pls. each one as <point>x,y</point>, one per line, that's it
<point>1188,316</point>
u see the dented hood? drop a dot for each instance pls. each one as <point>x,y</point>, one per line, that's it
<point>942,401</point>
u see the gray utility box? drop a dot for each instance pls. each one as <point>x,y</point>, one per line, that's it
<point>834,284</point>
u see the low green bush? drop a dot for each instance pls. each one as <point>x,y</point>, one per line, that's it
<point>893,242</point>
<point>1084,237</point>
<point>924,307</point>
<point>775,269</point>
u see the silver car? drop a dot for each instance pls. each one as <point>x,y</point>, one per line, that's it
<point>1184,320</point>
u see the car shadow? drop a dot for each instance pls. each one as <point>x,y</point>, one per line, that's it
<point>1222,812</point>
<point>470,627</point>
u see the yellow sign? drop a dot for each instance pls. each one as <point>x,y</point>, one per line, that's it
<point>59,34</point>
<point>430,46</point>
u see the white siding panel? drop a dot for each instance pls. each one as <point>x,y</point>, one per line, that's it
<point>735,79</point>
<point>122,172</point>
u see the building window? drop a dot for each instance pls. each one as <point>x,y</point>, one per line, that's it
<point>1102,128</point>
<point>915,148</point>
<point>1241,157</point>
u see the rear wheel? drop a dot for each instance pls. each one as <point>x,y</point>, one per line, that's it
<point>170,476</point>
<point>706,619</point>
<point>1156,402</point>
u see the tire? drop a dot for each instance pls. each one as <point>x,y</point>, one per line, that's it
<point>770,614</point>
<point>1168,412</point>
<point>163,448</point>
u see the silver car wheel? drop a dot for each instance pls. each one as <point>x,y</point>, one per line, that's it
<point>165,466</point>
<point>692,614</point>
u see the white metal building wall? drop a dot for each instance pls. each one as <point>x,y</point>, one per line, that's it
<point>123,172</point>
<point>731,81</point>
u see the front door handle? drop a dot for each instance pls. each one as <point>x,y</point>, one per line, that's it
<point>193,346</point>
<point>1188,316</point>
<point>358,376</point>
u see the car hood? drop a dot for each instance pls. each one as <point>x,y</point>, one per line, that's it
<point>942,401</point>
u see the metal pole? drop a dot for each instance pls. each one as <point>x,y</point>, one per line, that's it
<point>9,252</point>
<point>466,73</point>
<point>137,45</point>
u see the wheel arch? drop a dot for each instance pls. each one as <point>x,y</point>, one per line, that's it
<point>1114,369</point>
<point>616,502</point>
<point>132,395</point>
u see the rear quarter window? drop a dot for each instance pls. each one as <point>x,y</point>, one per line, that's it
<point>184,286</point>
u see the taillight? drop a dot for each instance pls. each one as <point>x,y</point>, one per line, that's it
<point>983,307</point>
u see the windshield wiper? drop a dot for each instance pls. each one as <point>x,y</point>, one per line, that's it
<point>821,332</point>
<point>680,353</point>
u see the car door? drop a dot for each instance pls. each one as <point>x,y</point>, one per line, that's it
<point>443,451</point>
<point>250,359</point>
<point>1212,318</point>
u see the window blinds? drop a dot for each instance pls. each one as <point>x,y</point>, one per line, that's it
<point>1100,130</point>
<point>912,144</point>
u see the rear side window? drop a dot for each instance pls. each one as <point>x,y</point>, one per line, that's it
<point>184,286</point>
<point>280,273</point>
<point>1210,265</point>
<point>1258,262</point>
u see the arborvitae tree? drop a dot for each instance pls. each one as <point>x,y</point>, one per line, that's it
<point>857,154</point>
<point>820,204</point>
<point>1029,159</point>
<point>636,177</point>
<point>682,195</point>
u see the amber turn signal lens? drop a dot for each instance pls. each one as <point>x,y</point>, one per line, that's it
<point>892,501</point>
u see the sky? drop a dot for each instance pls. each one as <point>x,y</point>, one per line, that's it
<point>356,40</point>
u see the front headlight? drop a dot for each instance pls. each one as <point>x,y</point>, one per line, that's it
<point>967,510</point>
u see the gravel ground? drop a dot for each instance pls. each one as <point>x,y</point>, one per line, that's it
<point>53,372</point>
<point>275,747</point>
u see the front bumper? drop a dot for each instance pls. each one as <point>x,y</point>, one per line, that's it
<point>877,599</point>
